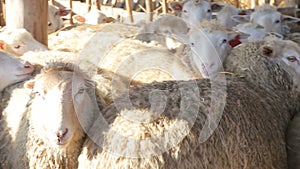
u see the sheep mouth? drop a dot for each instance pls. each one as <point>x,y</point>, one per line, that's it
<point>28,70</point>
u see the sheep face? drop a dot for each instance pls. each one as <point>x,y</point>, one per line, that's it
<point>209,48</point>
<point>19,41</point>
<point>271,21</point>
<point>13,70</point>
<point>94,17</point>
<point>283,50</point>
<point>269,18</point>
<point>194,12</point>
<point>55,118</point>
<point>55,21</point>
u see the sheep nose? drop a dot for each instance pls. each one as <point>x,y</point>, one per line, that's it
<point>60,134</point>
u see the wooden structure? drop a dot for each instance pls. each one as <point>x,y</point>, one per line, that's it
<point>29,14</point>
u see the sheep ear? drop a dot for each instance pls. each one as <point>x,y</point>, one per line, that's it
<point>64,11</point>
<point>176,6</point>
<point>29,84</point>
<point>287,19</point>
<point>267,51</point>
<point>89,83</point>
<point>216,7</point>
<point>241,18</point>
<point>2,45</point>
<point>245,11</point>
<point>78,18</point>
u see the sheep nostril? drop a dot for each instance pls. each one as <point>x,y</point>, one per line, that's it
<point>28,65</point>
<point>60,134</point>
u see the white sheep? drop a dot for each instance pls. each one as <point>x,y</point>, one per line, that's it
<point>192,11</point>
<point>19,41</point>
<point>93,17</point>
<point>74,40</point>
<point>165,30</point>
<point>207,47</point>
<point>13,70</point>
<point>226,11</point>
<point>255,31</point>
<point>268,17</point>
<point>55,21</point>
<point>49,129</point>
<point>168,124</point>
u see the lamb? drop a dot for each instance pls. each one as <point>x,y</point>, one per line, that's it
<point>237,121</point>
<point>13,70</point>
<point>55,21</point>
<point>206,48</point>
<point>19,41</point>
<point>51,139</point>
<point>93,17</point>
<point>225,13</point>
<point>74,40</point>
<point>268,17</point>
<point>255,31</point>
<point>165,30</point>
<point>192,11</point>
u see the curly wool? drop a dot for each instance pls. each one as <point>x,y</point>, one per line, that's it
<point>171,139</point>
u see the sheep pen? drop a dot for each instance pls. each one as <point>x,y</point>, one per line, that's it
<point>161,125</point>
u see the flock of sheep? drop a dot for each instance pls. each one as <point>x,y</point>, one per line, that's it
<point>183,91</point>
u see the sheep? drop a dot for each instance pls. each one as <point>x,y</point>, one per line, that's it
<point>41,58</point>
<point>13,70</point>
<point>293,37</point>
<point>74,40</point>
<point>234,121</point>
<point>192,11</point>
<point>19,41</point>
<point>255,31</point>
<point>293,143</point>
<point>225,13</point>
<point>268,17</point>
<point>164,30</point>
<point>51,139</point>
<point>55,21</point>
<point>207,46</point>
<point>93,17</point>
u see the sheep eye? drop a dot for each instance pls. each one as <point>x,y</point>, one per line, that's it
<point>185,11</point>
<point>40,94</point>
<point>292,58</point>
<point>277,21</point>
<point>17,47</point>
<point>224,41</point>
<point>192,44</point>
<point>208,11</point>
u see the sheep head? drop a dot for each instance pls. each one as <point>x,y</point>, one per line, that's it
<point>63,107</point>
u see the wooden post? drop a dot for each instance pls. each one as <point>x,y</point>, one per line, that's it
<point>98,5</point>
<point>52,2</point>
<point>129,9</point>
<point>164,6</point>
<point>89,5</point>
<point>2,13</point>
<point>149,10</point>
<point>29,14</point>
<point>71,13</point>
